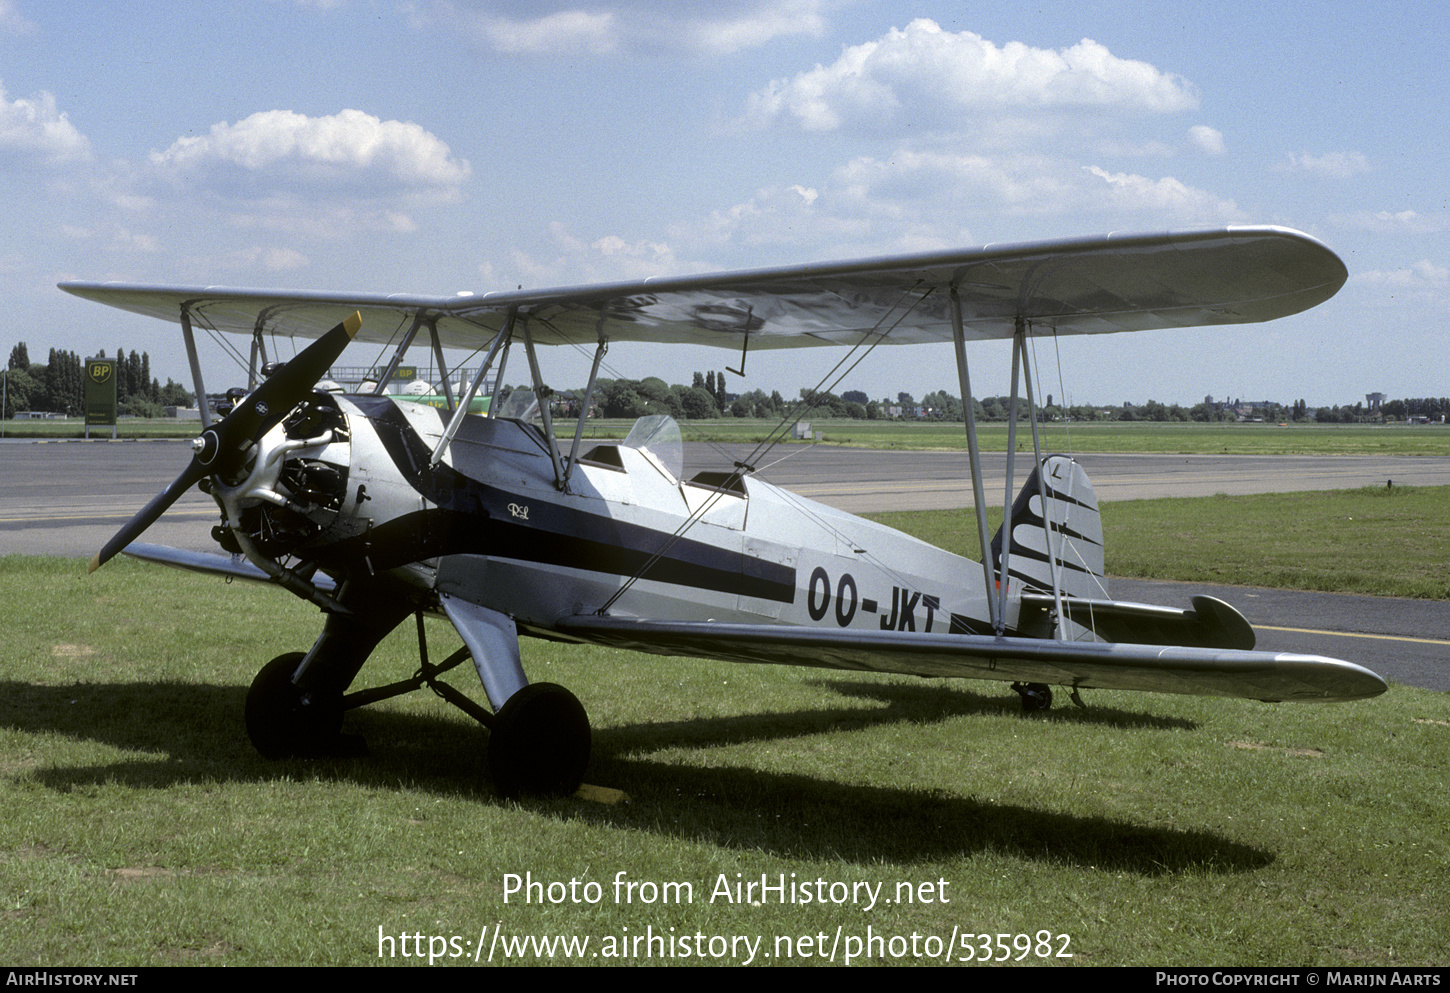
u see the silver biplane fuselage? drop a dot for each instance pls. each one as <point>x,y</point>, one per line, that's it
<point>489,524</point>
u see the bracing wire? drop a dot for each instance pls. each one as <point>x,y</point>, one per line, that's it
<point>874,336</point>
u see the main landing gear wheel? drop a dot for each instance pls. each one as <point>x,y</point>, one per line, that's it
<point>283,722</point>
<point>539,742</point>
<point>1035,696</point>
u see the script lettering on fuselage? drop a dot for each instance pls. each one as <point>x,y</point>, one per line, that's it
<point>907,605</point>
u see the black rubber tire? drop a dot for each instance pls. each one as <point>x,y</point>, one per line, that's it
<point>1036,697</point>
<point>281,723</point>
<point>539,742</point>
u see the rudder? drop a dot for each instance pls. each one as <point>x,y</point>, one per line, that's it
<point>1077,533</point>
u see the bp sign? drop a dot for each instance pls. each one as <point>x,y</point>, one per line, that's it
<point>100,391</point>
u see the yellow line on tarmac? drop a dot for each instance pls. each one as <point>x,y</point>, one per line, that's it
<point>1351,634</point>
<point>173,512</point>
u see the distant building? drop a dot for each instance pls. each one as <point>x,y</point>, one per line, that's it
<point>1248,410</point>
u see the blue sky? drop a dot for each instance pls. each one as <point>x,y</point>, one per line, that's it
<point>434,146</point>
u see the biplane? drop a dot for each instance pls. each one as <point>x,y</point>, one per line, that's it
<point>377,509</point>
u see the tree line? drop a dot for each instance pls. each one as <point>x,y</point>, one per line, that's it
<point>707,398</point>
<point>57,385</point>
<point>1434,408</point>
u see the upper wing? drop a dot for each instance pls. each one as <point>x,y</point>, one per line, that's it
<point>1085,286</point>
<point>1271,676</point>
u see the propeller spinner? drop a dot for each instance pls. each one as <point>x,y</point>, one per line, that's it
<point>222,448</point>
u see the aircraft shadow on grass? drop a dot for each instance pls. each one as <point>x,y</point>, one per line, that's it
<point>190,727</point>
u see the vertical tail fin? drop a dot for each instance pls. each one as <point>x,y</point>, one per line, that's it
<point>1077,534</point>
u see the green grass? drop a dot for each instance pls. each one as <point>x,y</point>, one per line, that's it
<point>128,428</point>
<point>140,828</point>
<point>1112,437</point>
<point>1384,542</point>
<point>1378,541</point>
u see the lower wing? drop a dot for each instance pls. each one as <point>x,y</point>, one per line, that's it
<point>1268,676</point>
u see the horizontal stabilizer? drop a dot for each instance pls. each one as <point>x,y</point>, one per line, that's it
<point>1210,624</point>
<point>1159,669</point>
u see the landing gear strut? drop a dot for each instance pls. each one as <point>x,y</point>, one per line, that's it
<point>1035,696</point>
<point>539,740</point>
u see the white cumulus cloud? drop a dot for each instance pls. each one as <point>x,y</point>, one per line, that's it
<point>636,259</point>
<point>14,22</point>
<point>924,199</point>
<point>774,215</point>
<point>567,31</point>
<point>563,257</point>
<point>1166,196</point>
<point>33,127</point>
<point>271,259</point>
<point>751,27</point>
<point>1425,283</point>
<point>911,182</point>
<point>583,27</point>
<point>1337,165</point>
<point>1420,276</point>
<point>343,146</point>
<point>924,70</point>
<point>1206,139</point>
<point>925,184</point>
<point>1394,221</point>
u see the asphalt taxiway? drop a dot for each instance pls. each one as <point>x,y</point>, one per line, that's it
<point>68,498</point>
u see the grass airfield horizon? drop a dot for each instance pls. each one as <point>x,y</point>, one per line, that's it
<point>1110,437</point>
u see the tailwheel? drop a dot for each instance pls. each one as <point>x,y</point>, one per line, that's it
<point>284,722</point>
<point>1035,696</point>
<point>538,742</point>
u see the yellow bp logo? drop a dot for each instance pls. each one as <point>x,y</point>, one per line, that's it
<point>100,371</point>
